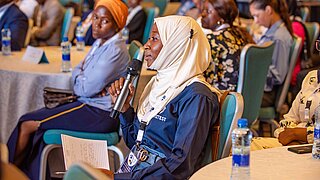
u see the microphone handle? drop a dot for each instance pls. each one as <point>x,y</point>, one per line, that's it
<point>122,97</point>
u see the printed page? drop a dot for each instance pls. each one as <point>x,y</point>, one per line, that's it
<point>93,152</point>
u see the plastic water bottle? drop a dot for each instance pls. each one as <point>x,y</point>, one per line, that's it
<point>65,47</point>
<point>241,140</point>
<point>6,40</point>
<point>316,139</point>
<point>125,34</point>
<point>80,37</point>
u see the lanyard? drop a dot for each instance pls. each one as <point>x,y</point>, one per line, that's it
<point>142,128</point>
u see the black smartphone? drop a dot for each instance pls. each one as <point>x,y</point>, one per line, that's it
<point>301,149</point>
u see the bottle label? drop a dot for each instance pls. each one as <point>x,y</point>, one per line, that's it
<point>80,38</point>
<point>240,160</point>
<point>66,57</point>
<point>6,42</point>
<point>316,133</point>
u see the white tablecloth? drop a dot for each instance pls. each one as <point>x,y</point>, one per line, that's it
<point>22,83</point>
<point>268,164</point>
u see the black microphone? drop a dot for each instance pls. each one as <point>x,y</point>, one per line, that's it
<point>133,71</point>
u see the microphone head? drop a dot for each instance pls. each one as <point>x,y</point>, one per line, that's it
<point>136,63</point>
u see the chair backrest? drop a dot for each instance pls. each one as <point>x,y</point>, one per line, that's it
<point>151,12</point>
<point>254,64</point>
<point>283,90</point>
<point>136,50</point>
<point>231,110</point>
<point>313,32</point>
<point>73,26</point>
<point>28,36</point>
<point>66,22</point>
<point>161,4</point>
<point>84,171</point>
<point>305,13</point>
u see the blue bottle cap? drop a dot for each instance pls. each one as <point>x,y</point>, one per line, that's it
<point>243,122</point>
<point>65,39</point>
<point>79,23</point>
<point>6,26</point>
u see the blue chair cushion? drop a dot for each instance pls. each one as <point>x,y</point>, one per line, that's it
<point>53,136</point>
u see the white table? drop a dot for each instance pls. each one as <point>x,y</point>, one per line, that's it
<point>268,164</point>
<point>22,83</point>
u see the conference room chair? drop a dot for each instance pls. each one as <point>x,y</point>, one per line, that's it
<point>161,4</point>
<point>151,12</point>
<point>219,145</point>
<point>313,33</point>
<point>305,13</point>
<point>53,137</point>
<point>253,69</point>
<point>66,22</point>
<point>83,171</point>
<point>28,36</point>
<point>269,114</point>
<point>73,26</point>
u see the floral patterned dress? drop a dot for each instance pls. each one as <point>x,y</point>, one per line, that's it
<point>226,45</point>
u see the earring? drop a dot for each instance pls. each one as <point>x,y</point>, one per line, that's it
<point>219,22</point>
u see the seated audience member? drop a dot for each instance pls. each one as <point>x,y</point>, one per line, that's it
<point>297,126</point>
<point>177,107</point>
<point>299,30</point>
<point>273,14</point>
<point>28,7</point>
<point>136,20</point>
<point>105,62</point>
<point>86,22</point>
<point>11,15</point>
<point>226,42</point>
<point>48,21</point>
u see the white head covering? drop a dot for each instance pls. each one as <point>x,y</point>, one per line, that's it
<point>185,55</point>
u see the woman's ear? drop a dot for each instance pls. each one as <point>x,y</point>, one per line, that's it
<point>269,10</point>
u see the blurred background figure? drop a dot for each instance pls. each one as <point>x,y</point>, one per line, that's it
<point>273,14</point>
<point>226,42</point>
<point>136,20</point>
<point>106,61</point>
<point>17,22</point>
<point>48,20</point>
<point>28,7</point>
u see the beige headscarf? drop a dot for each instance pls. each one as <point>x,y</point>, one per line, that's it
<point>185,55</point>
<point>118,10</point>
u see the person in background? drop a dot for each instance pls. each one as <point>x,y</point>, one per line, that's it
<point>299,30</point>
<point>48,21</point>
<point>297,126</point>
<point>177,107</point>
<point>28,7</point>
<point>273,14</point>
<point>106,61</point>
<point>11,15</point>
<point>86,22</point>
<point>226,43</point>
<point>136,20</point>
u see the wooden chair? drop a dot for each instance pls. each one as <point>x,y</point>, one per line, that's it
<point>254,65</point>
<point>151,12</point>
<point>268,114</point>
<point>313,29</point>
<point>231,108</point>
<point>66,22</point>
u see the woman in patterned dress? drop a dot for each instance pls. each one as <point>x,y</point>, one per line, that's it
<point>226,43</point>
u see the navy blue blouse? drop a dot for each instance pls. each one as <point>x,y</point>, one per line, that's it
<point>180,132</point>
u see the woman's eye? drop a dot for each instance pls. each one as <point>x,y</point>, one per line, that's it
<point>105,22</point>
